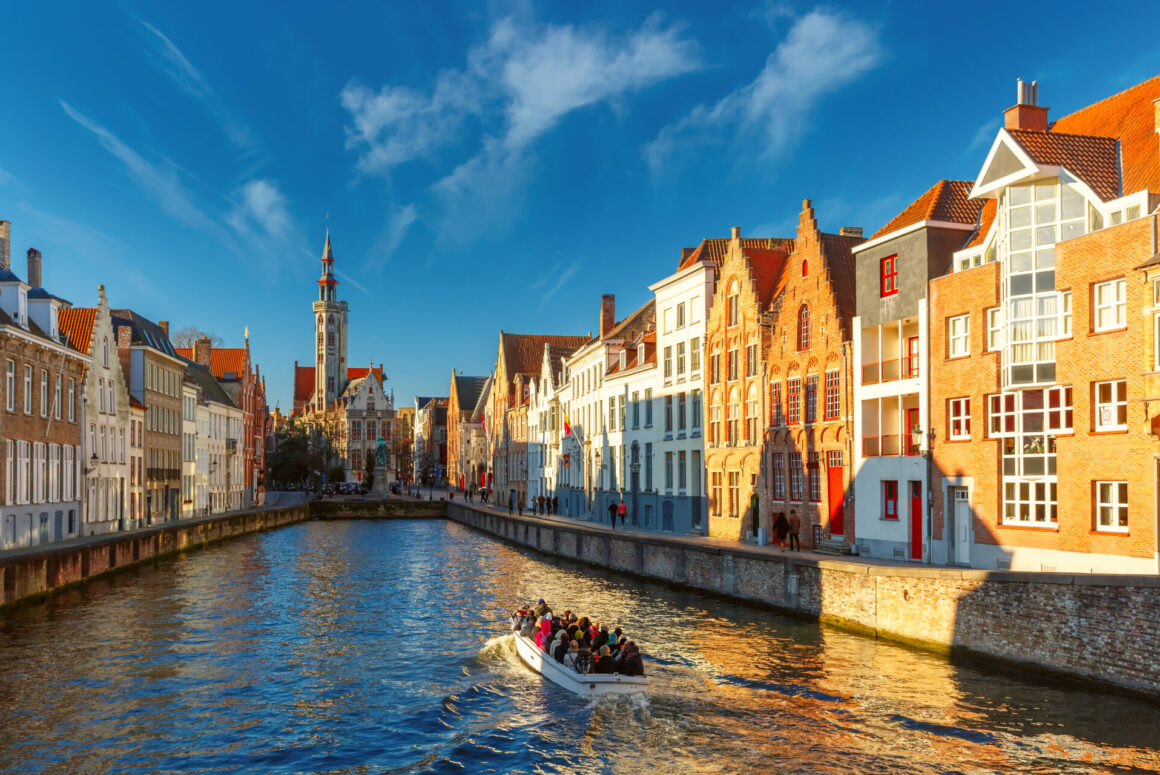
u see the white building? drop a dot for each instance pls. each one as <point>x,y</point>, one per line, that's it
<point>369,417</point>
<point>189,393</point>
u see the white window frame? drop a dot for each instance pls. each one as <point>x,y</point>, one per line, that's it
<point>1115,506</point>
<point>1117,306</point>
<point>959,343</point>
<point>994,329</point>
<point>28,388</point>
<point>1107,412</point>
<point>958,411</point>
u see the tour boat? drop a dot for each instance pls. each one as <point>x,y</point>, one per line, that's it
<point>588,685</point>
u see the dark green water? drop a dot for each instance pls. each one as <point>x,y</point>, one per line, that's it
<point>378,647</point>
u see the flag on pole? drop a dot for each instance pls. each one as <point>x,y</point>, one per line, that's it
<point>568,430</point>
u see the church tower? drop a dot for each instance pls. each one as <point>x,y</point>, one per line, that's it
<point>330,335</point>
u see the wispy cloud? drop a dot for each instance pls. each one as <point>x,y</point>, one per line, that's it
<point>564,277</point>
<point>161,184</point>
<point>822,52</point>
<point>985,134</point>
<point>6,177</point>
<point>517,85</point>
<point>399,222</point>
<point>351,281</point>
<point>261,219</point>
<point>187,77</point>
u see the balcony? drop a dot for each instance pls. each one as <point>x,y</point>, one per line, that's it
<point>889,446</point>
<point>890,370</point>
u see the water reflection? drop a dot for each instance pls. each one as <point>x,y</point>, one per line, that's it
<point>367,647</point>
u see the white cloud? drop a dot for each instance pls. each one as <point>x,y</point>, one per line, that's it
<point>262,221</point>
<point>985,134</point>
<point>560,282</point>
<point>399,222</point>
<point>182,72</point>
<point>6,177</point>
<point>161,184</point>
<point>822,52</point>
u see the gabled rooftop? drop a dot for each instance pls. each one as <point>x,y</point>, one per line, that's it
<point>947,201</point>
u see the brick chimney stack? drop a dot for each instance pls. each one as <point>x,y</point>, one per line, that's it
<point>607,314</point>
<point>124,336</point>
<point>164,327</point>
<point>202,350</point>
<point>5,244</point>
<point>850,231</point>
<point>34,268</point>
<point>1026,113</point>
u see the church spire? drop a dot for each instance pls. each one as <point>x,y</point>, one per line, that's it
<point>326,283</point>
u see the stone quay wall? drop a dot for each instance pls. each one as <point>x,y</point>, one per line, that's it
<point>35,573</point>
<point>1102,628</point>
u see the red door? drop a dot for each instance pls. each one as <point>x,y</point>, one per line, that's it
<point>837,495</point>
<point>916,520</point>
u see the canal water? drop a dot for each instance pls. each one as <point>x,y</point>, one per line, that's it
<point>379,647</point>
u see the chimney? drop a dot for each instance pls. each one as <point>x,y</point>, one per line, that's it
<point>124,336</point>
<point>5,242</point>
<point>202,349</point>
<point>1026,114</point>
<point>34,268</point>
<point>164,327</point>
<point>850,231</point>
<point>607,314</point>
<point>736,232</point>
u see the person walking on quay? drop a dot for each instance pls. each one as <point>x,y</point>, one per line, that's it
<point>780,528</point>
<point>520,505</point>
<point>795,527</point>
<point>622,511</point>
<point>511,503</point>
<point>540,503</point>
<point>612,513</point>
<point>555,504</point>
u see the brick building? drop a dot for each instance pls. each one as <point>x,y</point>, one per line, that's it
<point>463,396</point>
<point>1042,338</point>
<point>40,433</point>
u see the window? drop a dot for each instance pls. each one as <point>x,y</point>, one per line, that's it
<point>668,470</point>
<point>635,410</point>
<point>648,456</point>
<point>101,394</point>
<point>793,401</point>
<point>680,359</point>
<point>696,409</point>
<point>833,398</point>
<point>890,275</point>
<point>805,267</point>
<point>682,470</point>
<point>1110,306</point>
<point>890,499</point>
<point>732,364</point>
<point>811,398</point>
<point>715,492</point>
<point>56,398</point>
<point>803,332</point>
<point>715,367</point>
<point>958,418</point>
<point>776,419</point>
<point>72,398</point>
<point>715,422</point>
<point>1111,405</point>
<point>1112,506</point>
<point>751,414</point>
<point>732,304</point>
<point>10,386</point>
<point>795,476</point>
<point>814,471</point>
<point>994,329</point>
<point>668,363</point>
<point>681,417</point>
<point>959,335</point>
<point>775,465</point>
<point>668,414</point>
<point>695,355</point>
<point>731,416</point>
<point>681,315</point>
<point>28,390</point>
<point>751,360</point>
<point>735,493</point>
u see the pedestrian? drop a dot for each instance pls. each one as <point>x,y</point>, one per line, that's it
<point>795,527</point>
<point>540,503</point>
<point>555,505</point>
<point>622,511</point>
<point>612,513</point>
<point>780,528</point>
<point>511,503</point>
<point>521,505</point>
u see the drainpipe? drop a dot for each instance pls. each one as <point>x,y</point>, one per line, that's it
<point>849,430</point>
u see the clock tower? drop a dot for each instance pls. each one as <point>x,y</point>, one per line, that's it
<point>329,335</point>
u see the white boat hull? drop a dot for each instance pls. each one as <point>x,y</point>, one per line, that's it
<point>589,685</point>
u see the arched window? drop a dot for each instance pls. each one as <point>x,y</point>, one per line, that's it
<point>732,303</point>
<point>733,414</point>
<point>751,413</point>
<point>105,356</point>
<point>715,418</point>
<point>805,267</point>
<point>803,337</point>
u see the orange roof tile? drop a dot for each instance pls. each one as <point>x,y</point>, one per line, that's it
<point>947,200</point>
<point>77,325</point>
<point>767,268</point>
<point>522,353</point>
<point>713,249</point>
<point>986,219</point>
<point>1095,160</point>
<point>1130,117</point>
<point>304,380</point>
<point>222,360</point>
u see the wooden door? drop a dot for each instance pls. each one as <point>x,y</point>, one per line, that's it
<point>916,520</point>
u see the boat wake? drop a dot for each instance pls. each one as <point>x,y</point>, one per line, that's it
<point>499,650</point>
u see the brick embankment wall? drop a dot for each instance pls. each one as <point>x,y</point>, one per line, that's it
<point>393,508</point>
<point>30,575</point>
<point>1100,628</point>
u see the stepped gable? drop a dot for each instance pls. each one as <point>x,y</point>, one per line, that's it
<point>77,324</point>
<point>1130,117</point>
<point>1095,160</point>
<point>946,200</point>
<point>713,249</point>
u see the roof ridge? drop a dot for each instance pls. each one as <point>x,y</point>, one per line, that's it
<point>1109,98</point>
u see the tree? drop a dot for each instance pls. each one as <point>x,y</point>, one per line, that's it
<point>402,453</point>
<point>185,337</point>
<point>294,460</point>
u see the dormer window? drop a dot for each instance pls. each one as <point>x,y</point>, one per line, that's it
<point>640,353</point>
<point>623,358</point>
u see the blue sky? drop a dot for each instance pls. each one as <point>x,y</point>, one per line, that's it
<point>489,166</point>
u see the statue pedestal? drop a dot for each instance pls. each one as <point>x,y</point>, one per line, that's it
<point>379,488</point>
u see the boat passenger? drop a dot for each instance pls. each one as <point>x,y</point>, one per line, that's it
<point>562,645</point>
<point>601,638</point>
<point>583,660</point>
<point>570,657</point>
<point>605,664</point>
<point>632,664</point>
<point>542,608</point>
<point>543,637</point>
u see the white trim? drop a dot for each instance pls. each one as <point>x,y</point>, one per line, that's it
<point>1030,167</point>
<point>911,228</point>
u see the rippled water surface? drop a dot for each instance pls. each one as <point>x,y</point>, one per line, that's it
<point>378,647</point>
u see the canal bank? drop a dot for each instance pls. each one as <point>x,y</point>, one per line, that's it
<point>1100,628</point>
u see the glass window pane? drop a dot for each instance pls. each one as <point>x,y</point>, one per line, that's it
<point>1045,235</point>
<point>1045,258</point>
<point>1073,202</point>
<point>1020,217</point>
<point>1021,239</point>
<point>1045,190</point>
<point>1020,195</point>
<point>1045,213</point>
<point>1021,262</point>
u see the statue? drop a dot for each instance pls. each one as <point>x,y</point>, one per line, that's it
<point>381,452</point>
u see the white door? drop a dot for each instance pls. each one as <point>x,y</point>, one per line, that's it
<point>962,525</point>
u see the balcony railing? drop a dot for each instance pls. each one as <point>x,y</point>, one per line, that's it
<point>890,370</point>
<point>889,446</point>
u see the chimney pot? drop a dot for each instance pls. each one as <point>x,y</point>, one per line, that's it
<point>5,243</point>
<point>607,313</point>
<point>850,231</point>
<point>164,327</point>
<point>736,232</point>
<point>1026,114</point>
<point>34,268</point>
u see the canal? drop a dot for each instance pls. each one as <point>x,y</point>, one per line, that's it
<point>378,647</point>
